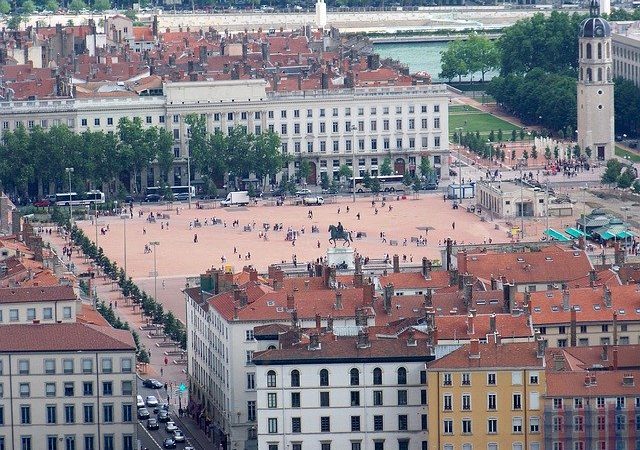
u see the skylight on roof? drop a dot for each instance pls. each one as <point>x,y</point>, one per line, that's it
<point>621,312</point>
<point>548,258</point>
<point>520,259</point>
<point>481,302</point>
<point>554,308</point>
<point>536,309</point>
<point>549,294</point>
<point>596,307</point>
<point>577,308</point>
<point>271,303</point>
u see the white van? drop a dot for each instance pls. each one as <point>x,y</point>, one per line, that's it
<point>140,402</point>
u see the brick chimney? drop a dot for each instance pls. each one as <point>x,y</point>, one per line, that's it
<point>615,358</point>
<point>607,296</point>
<point>426,268</point>
<point>470,326</point>
<point>467,296</point>
<point>541,344</point>
<point>363,339</point>
<point>387,297</point>
<point>368,294</point>
<point>565,300</point>
<point>330,323</point>
<point>605,353</point>
<point>291,304</point>
<point>338,303</point>
<point>236,294</point>
<point>492,323</point>
<point>573,339</point>
<point>396,264</point>
<point>411,338</point>
<point>358,279</point>
<point>593,277</point>
<point>318,321</point>
<point>278,279</point>
<point>474,349</point>
<point>462,262</point>
<point>428,298</point>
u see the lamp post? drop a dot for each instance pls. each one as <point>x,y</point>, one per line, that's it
<point>154,244</point>
<point>459,130</point>
<point>584,212</point>
<point>521,206</point>
<point>69,171</point>
<point>353,161</point>
<point>124,217</point>
<point>189,167</point>
<point>626,226</point>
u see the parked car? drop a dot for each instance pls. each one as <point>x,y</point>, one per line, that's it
<point>163,416</point>
<point>178,436</point>
<point>139,401</point>
<point>303,192</point>
<point>143,413</point>
<point>170,427</point>
<point>153,198</point>
<point>169,443</point>
<point>180,196</point>
<point>152,383</point>
<point>152,424</point>
<point>430,186</point>
<point>42,203</point>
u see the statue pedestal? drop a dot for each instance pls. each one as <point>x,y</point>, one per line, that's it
<point>338,255</point>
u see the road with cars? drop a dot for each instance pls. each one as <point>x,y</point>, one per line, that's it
<point>167,420</point>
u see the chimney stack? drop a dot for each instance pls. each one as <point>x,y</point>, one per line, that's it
<point>318,321</point>
<point>593,277</point>
<point>338,304</point>
<point>428,298</point>
<point>426,268</point>
<point>330,323</point>
<point>615,328</point>
<point>387,296</point>
<point>474,349</point>
<point>605,353</point>
<point>357,279</point>
<point>573,339</point>
<point>467,296</point>
<point>607,296</point>
<point>291,304</point>
<point>314,341</point>
<point>396,264</point>
<point>470,327</point>
<point>492,323</point>
<point>363,339</point>
<point>565,300</point>
<point>615,358</point>
<point>541,344</point>
<point>368,294</point>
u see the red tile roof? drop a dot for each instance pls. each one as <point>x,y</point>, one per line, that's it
<point>546,307</point>
<point>415,280</point>
<point>507,325</point>
<point>506,355</point>
<point>601,384</point>
<point>595,357</point>
<point>555,265</point>
<point>37,294</point>
<point>62,337</point>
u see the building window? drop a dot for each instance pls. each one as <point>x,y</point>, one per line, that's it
<point>403,422</point>
<point>492,426</point>
<point>447,426</point>
<point>354,377</point>
<point>25,442</point>
<point>272,425</point>
<point>517,401</point>
<point>447,402</point>
<point>424,424</point>
<point>423,396</point>
<point>49,366</point>
<point>127,387</point>
<point>378,423</point>
<point>534,424</point>
<point>87,412</point>
<point>50,389</point>
<point>491,401</point>
<point>402,375</point>
<point>446,379</point>
<point>516,423</point>
<point>533,378</point>
<point>107,413</point>
<point>87,388</point>
<point>466,402</point>
<point>557,403</point>
<point>89,442</point>
<point>295,399</point>
<point>324,377</point>
<point>251,410</point>
<point>377,398</point>
<point>578,423</point>
<point>296,425</point>
<point>25,390</point>
<point>271,378</point>
<point>295,378</point>
<point>251,381</point>
<point>272,400</point>
<point>325,424</point>
<point>127,442</point>
<point>51,414</point>
<point>402,397</point>
<point>25,414</point>
<point>23,366</point>
<point>557,423</point>
<point>466,426</point>
<point>69,414</point>
<point>324,399</point>
<point>47,313</point>
<point>355,398</point>
<point>107,388</point>
<point>108,442</point>
<point>31,313</point>
<point>355,423</point>
<point>52,442</point>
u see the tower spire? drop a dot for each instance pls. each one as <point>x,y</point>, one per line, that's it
<point>594,9</point>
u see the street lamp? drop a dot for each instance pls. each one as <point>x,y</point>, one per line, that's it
<point>155,271</point>
<point>124,217</point>
<point>69,171</point>
<point>353,161</point>
<point>459,130</point>
<point>521,206</point>
<point>189,167</point>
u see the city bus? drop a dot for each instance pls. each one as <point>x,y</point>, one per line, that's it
<point>73,199</point>
<point>179,192</point>
<point>388,183</point>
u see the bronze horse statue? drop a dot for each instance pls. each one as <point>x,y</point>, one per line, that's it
<point>337,234</point>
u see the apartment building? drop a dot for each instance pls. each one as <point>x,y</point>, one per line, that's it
<point>588,316</point>
<point>67,386</point>
<point>487,396</point>
<point>328,128</point>
<point>37,304</point>
<point>592,400</point>
<point>625,42</point>
<point>346,393</point>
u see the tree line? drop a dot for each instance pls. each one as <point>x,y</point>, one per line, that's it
<point>462,58</point>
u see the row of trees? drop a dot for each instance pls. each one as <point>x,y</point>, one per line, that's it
<point>622,175</point>
<point>236,155</point>
<point>35,158</point>
<point>149,307</point>
<point>462,58</point>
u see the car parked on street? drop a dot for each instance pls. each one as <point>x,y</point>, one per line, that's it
<point>143,413</point>
<point>152,383</point>
<point>152,424</point>
<point>151,401</point>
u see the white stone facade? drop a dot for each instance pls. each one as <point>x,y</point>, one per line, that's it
<point>402,123</point>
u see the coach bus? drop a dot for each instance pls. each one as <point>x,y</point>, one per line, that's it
<point>179,192</point>
<point>74,199</point>
<point>388,183</point>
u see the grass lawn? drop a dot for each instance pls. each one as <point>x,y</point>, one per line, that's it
<point>473,120</point>
<point>624,153</point>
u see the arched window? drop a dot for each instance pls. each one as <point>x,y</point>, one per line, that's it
<point>377,375</point>
<point>599,73</point>
<point>581,50</point>
<point>295,378</point>
<point>354,377</point>
<point>609,74</point>
<point>271,378</point>
<point>589,51</point>
<point>581,74</point>
<point>324,377</point>
<point>402,375</point>
<point>608,50</point>
<point>589,77</point>
<point>599,50</point>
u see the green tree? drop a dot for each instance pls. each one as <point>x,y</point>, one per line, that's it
<point>366,180</point>
<point>164,152</point>
<point>324,181</point>
<point>499,134</point>
<point>612,172</point>
<point>525,154</point>
<point>521,133</point>
<point>425,168</point>
<point>14,22</point>
<point>345,171</point>
<point>5,7</point>
<point>453,61</point>
<point>51,5</point>
<point>556,152</point>
<point>101,5</point>
<point>534,152</point>
<point>28,7</point>
<point>385,168</point>
<point>375,185</point>
<point>547,153</point>
<point>588,152</point>
<point>77,5</point>
<point>407,179</point>
<point>304,170</point>
<point>513,135</point>
<point>131,14</point>
<point>513,155</point>
<point>576,151</point>
<point>627,107</point>
<point>626,178</point>
<point>492,136</point>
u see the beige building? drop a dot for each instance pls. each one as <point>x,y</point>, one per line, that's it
<point>510,199</point>
<point>625,42</point>
<point>73,387</point>
<point>42,304</point>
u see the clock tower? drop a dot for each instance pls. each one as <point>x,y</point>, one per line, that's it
<point>595,87</point>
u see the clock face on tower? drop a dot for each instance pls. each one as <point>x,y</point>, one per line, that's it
<point>599,31</point>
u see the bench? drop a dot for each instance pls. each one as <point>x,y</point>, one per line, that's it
<point>247,228</point>
<point>393,242</point>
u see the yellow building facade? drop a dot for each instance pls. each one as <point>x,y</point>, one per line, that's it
<point>487,396</point>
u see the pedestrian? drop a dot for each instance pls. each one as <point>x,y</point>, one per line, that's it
<point>161,374</point>
<point>358,216</point>
<point>144,231</point>
<point>116,304</point>
<point>347,209</point>
<point>453,225</point>
<point>338,210</point>
<point>166,360</point>
<point>195,238</point>
<point>318,244</point>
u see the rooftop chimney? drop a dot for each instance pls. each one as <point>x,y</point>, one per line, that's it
<point>565,300</point>
<point>314,341</point>
<point>428,298</point>
<point>541,344</point>
<point>330,323</point>
<point>615,358</point>
<point>363,339</point>
<point>607,296</point>
<point>357,279</point>
<point>470,327</point>
<point>492,323</point>
<point>474,349</point>
<point>605,353</point>
<point>615,328</point>
<point>411,338</point>
<point>294,318</point>
<point>593,277</point>
<point>396,264</point>
<point>426,268</point>
<point>338,303</point>
<point>368,294</point>
<point>467,296</point>
<point>291,304</point>
<point>387,296</point>
<point>573,339</point>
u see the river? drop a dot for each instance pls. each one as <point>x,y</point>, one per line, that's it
<point>419,56</point>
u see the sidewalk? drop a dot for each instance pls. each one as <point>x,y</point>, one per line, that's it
<point>171,374</point>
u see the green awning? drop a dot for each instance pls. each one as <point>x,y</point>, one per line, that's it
<point>625,234</point>
<point>555,234</point>
<point>574,232</point>
<point>606,236</point>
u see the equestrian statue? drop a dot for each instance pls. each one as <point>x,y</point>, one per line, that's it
<point>338,232</point>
